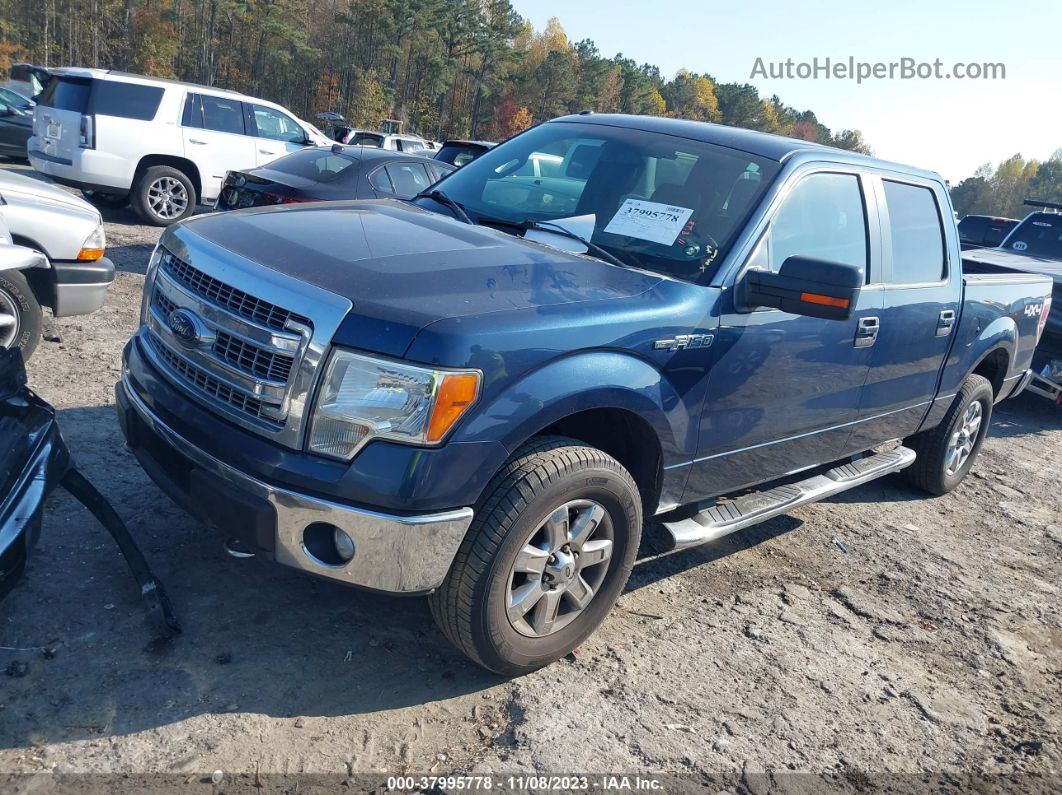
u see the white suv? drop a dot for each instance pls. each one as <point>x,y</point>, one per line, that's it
<point>161,145</point>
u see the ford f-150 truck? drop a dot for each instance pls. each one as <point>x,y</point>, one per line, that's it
<point>481,394</point>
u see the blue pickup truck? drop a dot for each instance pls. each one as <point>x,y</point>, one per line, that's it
<point>481,394</point>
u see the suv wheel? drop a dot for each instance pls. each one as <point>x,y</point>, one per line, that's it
<point>946,453</point>
<point>20,314</point>
<point>163,195</point>
<point>547,555</point>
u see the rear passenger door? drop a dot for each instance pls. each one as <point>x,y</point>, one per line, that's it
<point>216,139</point>
<point>922,292</point>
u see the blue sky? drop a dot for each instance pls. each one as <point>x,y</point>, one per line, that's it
<point>951,126</point>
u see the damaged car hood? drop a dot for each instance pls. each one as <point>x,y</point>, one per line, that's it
<point>404,268</point>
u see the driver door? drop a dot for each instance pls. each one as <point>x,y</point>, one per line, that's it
<point>782,388</point>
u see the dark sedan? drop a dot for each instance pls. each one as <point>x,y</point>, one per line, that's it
<point>320,174</point>
<point>16,123</point>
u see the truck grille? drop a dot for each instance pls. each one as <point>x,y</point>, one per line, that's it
<point>209,385</point>
<point>249,352</point>
<point>229,297</point>
<point>251,359</point>
<point>244,355</point>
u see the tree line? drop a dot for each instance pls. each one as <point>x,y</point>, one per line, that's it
<point>1002,190</point>
<point>446,68</point>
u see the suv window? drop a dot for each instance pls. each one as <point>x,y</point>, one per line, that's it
<point>917,234</point>
<point>277,126</point>
<point>206,112</point>
<point>367,139</point>
<point>125,100</point>
<point>67,93</point>
<point>822,217</point>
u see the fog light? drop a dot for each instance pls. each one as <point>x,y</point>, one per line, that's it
<point>344,545</point>
<point>327,545</point>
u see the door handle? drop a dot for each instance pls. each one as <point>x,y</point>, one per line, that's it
<point>866,332</point>
<point>197,141</point>
<point>945,322</point>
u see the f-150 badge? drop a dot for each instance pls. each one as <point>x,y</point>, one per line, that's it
<point>684,342</point>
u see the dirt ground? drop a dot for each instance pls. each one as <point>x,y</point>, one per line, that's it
<point>879,637</point>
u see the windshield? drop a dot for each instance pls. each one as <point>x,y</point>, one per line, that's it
<point>1039,235</point>
<point>666,204</point>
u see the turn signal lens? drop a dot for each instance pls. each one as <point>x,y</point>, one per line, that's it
<point>94,246</point>
<point>824,300</point>
<point>456,393</point>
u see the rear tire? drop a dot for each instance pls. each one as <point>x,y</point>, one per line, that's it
<point>495,603</point>
<point>947,453</point>
<point>163,196</point>
<point>20,314</point>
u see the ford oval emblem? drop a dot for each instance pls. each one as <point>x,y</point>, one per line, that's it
<point>186,327</point>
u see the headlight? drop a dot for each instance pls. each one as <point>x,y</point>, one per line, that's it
<point>365,398</point>
<point>94,246</point>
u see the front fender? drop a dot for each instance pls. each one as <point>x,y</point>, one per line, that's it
<point>17,258</point>
<point>601,379</point>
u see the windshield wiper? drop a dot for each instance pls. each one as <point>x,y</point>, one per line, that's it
<point>445,201</point>
<point>557,229</point>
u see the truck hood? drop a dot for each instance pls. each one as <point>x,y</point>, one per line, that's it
<point>36,190</point>
<point>404,268</point>
<point>1005,258</point>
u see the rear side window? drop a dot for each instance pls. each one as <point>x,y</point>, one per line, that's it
<point>67,93</point>
<point>409,179</point>
<point>972,229</point>
<point>917,234</point>
<point>125,100</point>
<point>823,218</point>
<point>320,166</point>
<point>222,114</point>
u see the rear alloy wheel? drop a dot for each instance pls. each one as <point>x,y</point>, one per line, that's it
<point>946,453</point>
<point>20,314</point>
<point>546,557</point>
<point>163,196</point>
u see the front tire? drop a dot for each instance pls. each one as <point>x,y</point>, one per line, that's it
<point>547,555</point>
<point>163,196</point>
<point>20,314</point>
<point>947,453</point>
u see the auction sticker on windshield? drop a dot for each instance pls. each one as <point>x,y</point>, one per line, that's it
<point>658,223</point>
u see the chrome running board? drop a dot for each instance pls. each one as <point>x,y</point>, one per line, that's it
<point>726,518</point>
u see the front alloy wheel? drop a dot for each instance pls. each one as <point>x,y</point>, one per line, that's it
<point>547,555</point>
<point>559,570</point>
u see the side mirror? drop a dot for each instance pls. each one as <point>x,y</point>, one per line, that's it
<point>806,286</point>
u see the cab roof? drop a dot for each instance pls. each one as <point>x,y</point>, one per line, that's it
<point>768,145</point>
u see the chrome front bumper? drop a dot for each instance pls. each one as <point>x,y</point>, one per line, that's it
<point>398,554</point>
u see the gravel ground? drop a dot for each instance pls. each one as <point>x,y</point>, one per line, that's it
<point>879,637</point>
